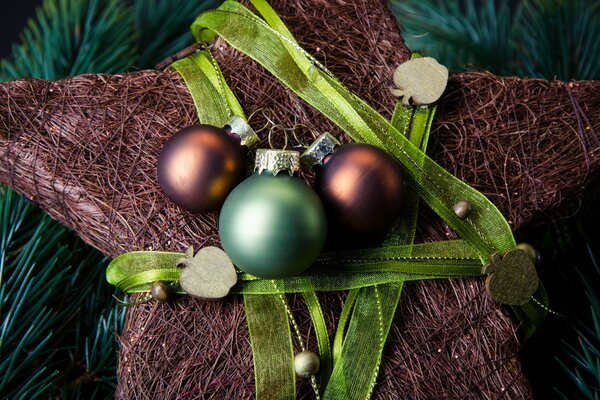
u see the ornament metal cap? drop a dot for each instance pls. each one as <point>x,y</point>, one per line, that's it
<point>321,148</point>
<point>240,127</point>
<point>276,161</point>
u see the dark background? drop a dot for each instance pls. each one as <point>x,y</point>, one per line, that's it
<point>12,20</point>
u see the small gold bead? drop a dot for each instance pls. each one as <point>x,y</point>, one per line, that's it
<point>306,364</point>
<point>462,209</point>
<point>533,253</point>
<point>160,291</point>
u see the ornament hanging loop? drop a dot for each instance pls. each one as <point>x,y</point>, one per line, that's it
<point>294,142</point>
<point>253,114</point>
<point>272,127</point>
<point>301,146</point>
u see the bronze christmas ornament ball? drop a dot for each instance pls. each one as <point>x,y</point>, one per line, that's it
<point>199,166</point>
<point>361,187</point>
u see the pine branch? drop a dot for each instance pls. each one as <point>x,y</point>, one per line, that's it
<point>480,33</point>
<point>163,26</point>
<point>580,359</point>
<point>541,38</point>
<point>561,39</point>
<point>73,37</point>
<point>92,370</point>
<point>33,268</point>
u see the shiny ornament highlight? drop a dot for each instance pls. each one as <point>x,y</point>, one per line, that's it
<point>199,166</point>
<point>361,187</point>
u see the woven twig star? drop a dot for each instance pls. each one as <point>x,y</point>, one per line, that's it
<point>85,150</point>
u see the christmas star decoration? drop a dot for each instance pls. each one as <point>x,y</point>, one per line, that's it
<point>85,148</point>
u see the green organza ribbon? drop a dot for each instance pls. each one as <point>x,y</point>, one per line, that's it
<point>214,100</point>
<point>331,272</point>
<point>375,276</point>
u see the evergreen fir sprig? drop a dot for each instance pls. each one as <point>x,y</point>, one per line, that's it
<point>560,39</point>
<point>163,26</point>
<point>580,360</point>
<point>541,38</point>
<point>74,37</point>
<point>35,263</point>
<point>93,362</point>
<point>479,33</point>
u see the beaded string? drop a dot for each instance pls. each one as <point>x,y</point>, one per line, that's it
<point>313,379</point>
<point>539,303</point>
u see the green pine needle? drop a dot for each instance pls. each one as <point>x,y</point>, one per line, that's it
<point>163,26</point>
<point>482,33</point>
<point>34,259</point>
<point>561,39</point>
<point>541,38</point>
<point>73,37</point>
<point>581,359</point>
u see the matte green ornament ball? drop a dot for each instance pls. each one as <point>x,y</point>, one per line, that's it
<point>273,226</point>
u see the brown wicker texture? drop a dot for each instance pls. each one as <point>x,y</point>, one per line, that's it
<point>85,150</point>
